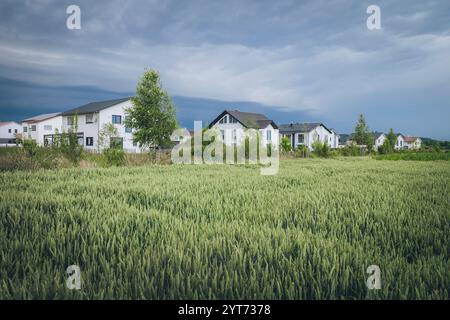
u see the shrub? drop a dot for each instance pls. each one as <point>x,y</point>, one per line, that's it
<point>301,152</point>
<point>114,157</point>
<point>286,144</point>
<point>321,149</point>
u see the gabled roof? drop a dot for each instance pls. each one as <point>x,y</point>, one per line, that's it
<point>301,127</point>
<point>247,119</point>
<point>4,123</point>
<point>42,117</point>
<point>410,139</point>
<point>94,107</point>
<point>376,134</point>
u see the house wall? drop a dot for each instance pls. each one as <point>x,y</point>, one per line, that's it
<point>101,118</point>
<point>400,144</point>
<point>44,127</point>
<point>9,137</point>
<point>228,130</point>
<point>379,141</point>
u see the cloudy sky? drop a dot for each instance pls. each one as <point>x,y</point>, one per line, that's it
<point>292,60</point>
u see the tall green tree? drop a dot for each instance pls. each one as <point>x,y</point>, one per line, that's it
<point>391,137</point>
<point>362,134</point>
<point>152,115</point>
<point>361,130</point>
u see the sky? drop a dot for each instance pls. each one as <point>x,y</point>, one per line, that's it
<point>295,61</point>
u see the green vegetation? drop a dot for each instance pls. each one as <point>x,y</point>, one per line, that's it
<point>217,231</point>
<point>415,155</point>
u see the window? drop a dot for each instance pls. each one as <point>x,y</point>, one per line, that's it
<point>33,127</point>
<point>116,143</point>
<point>269,135</point>
<point>89,118</point>
<point>25,129</point>
<point>128,130</point>
<point>89,141</point>
<point>15,130</point>
<point>9,130</point>
<point>224,119</point>
<point>222,133</point>
<point>232,120</point>
<point>234,135</point>
<point>134,143</point>
<point>301,138</point>
<point>48,128</point>
<point>116,119</point>
<point>70,121</point>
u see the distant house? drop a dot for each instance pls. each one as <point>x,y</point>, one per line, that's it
<point>412,143</point>
<point>10,131</point>
<point>233,123</point>
<point>335,137</point>
<point>40,127</point>
<point>91,119</point>
<point>305,134</point>
<point>378,139</point>
<point>400,143</point>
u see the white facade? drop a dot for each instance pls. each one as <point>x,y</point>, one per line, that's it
<point>307,139</point>
<point>413,143</point>
<point>9,131</point>
<point>400,143</point>
<point>91,124</point>
<point>40,130</point>
<point>379,141</point>
<point>334,139</point>
<point>233,132</point>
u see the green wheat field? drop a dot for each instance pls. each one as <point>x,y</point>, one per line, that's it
<point>227,232</point>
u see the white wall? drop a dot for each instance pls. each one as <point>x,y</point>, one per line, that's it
<point>400,144</point>
<point>237,129</point>
<point>92,130</point>
<point>379,141</point>
<point>5,135</point>
<point>45,127</point>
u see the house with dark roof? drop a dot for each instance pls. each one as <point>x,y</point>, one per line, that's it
<point>91,118</point>
<point>305,134</point>
<point>42,126</point>
<point>233,125</point>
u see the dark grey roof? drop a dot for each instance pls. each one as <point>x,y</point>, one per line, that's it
<point>376,134</point>
<point>94,107</point>
<point>247,119</point>
<point>300,127</point>
<point>42,117</point>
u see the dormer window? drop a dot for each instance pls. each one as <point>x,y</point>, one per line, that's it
<point>224,120</point>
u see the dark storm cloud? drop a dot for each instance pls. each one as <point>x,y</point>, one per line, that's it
<point>313,58</point>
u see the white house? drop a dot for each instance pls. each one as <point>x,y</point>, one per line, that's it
<point>91,119</point>
<point>335,137</point>
<point>305,134</point>
<point>400,143</point>
<point>413,143</point>
<point>233,123</point>
<point>9,132</point>
<point>378,139</point>
<point>40,128</point>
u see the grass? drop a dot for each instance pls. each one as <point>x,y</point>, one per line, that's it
<point>207,232</point>
<point>415,156</point>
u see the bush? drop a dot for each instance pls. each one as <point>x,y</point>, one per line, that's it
<point>321,149</point>
<point>351,151</point>
<point>301,152</point>
<point>114,157</point>
<point>286,144</point>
